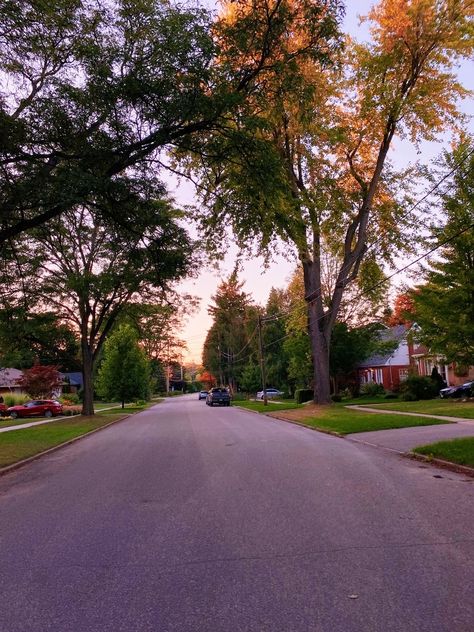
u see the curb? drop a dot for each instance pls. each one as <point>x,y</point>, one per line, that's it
<point>446,465</point>
<point>14,466</point>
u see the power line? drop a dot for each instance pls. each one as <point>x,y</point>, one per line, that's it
<point>398,271</point>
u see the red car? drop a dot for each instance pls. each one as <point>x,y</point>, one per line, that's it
<point>41,408</point>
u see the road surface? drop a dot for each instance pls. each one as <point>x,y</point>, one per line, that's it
<point>188,518</point>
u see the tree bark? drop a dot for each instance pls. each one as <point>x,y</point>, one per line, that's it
<point>320,355</point>
<point>87,371</point>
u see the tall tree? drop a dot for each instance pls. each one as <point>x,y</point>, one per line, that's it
<point>307,159</point>
<point>228,341</point>
<point>124,373</point>
<point>89,92</point>
<point>92,271</point>
<point>443,306</point>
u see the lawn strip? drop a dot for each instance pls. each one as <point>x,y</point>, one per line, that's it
<point>8,421</point>
<point>340,420</point>
<point>459,451</point>
<point>464,410</point>
<point>22,444</point>
<point>260,407</point>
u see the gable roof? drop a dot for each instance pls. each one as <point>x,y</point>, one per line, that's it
<point>9,377</point>
<point>393,334</point>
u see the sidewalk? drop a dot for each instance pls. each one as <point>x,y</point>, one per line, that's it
<point>405,439</point>
<point>47,421</point>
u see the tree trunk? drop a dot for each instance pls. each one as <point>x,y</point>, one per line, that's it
<point>87,370</point>
<point>320,354</point>
<point>319,328</point>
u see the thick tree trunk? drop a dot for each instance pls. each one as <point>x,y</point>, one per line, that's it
<point>87,371</point>
<point>319,327</point>
<point>320,354</point>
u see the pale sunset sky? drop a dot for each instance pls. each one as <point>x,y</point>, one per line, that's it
<point>257,279</point>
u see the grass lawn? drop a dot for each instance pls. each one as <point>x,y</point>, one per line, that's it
<point>337,418</point>
<point>344,421</point>
<point>20,444</point>
<point>459,451</point>
<point>260,407</point>
<point>431,407</point>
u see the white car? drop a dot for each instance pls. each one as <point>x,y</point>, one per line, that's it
<point>271,393</point>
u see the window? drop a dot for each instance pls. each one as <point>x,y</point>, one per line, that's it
<point>403,374</point>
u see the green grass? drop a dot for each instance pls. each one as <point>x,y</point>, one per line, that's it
<point>337,418</point>
<point>344,421</point>
<point>431,407</point>
<point>21,444</point>
<point>272,407</point>
<point>460,451</point>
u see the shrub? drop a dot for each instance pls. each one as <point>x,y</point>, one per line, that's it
<point>336,398</point>
<point>391,395</point>
<point>371,389</point>
<point>239,397</point>
<point>303,395</point>
<point>418,387</point>
<point>69,398</point>
<point>14,399</point>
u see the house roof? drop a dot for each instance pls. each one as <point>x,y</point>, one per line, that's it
<point>393,334</point>
<point>9,377</point>
<point>75,378</point>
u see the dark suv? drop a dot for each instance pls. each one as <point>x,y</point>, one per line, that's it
<point>218,395</point>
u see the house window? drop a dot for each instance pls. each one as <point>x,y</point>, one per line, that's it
<point>379,376</point>
<point>403,374</point>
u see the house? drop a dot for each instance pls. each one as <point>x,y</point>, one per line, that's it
<point>73,382</point>
<point>391,368</point>
<point>9,378</point>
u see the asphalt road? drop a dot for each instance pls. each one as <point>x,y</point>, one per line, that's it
<point>189,518</point>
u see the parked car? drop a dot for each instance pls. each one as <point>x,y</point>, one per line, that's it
<point>463,390</point>
<point>202,394</point>
<point>40,408</point>
<point>271,392</point>
<point>218,395</point>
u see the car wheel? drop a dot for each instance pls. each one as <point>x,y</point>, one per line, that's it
<point>48,413</point>
<point>14,415</point>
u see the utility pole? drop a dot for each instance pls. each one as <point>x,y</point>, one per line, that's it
<point>262,361</point>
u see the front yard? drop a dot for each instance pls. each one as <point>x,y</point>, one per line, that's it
<point>339,419</point>
<point>448,407</point>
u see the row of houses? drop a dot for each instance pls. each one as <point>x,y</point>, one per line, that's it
<point>390,369</point>
<point>10,378</point>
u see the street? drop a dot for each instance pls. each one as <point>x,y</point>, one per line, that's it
<point>192,519</point>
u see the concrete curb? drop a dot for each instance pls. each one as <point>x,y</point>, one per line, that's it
<point>446,465</point>
<point>14,466</point>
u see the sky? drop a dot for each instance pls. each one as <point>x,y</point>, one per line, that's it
<point>258,279</point>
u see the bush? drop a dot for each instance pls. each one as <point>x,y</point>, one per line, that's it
<point>14,399</point>
<point>336,398</point>
<point>371,389</point>
<point>239,397</point>
<point>303,395</point>
<point>391,395</point>
<point>417,387</point>
<point>69,398</point>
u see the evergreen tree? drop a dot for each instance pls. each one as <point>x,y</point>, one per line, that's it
<point>124,374</point>
<point>444,305</point>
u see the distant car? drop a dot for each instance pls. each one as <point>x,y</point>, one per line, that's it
<point>218,395</point>
<point>463,390</point>
<point>202,394</point>
<point>36,408</point>
<point>271,392</point>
